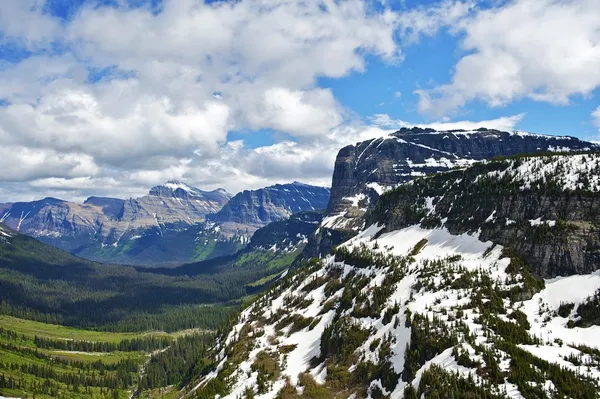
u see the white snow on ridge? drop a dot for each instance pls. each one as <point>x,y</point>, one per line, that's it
<point>379,189</point>
<point>571,172</point>
<point>174,185</point>
<point>469,254</point>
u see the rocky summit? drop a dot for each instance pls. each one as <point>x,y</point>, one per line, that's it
<point>107,219</point>
<point>366,170</point>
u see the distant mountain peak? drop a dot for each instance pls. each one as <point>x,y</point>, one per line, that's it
<point>178,188</point>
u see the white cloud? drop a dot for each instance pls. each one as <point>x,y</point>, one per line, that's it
<point>299,113</point>
<point>546,50</point>
<point>180,81</point>
<point>183,79</point>
<point>18,163</point>
<point>596,116</point>
<point>427,21</point>
<point>24,21</point>
<point>84,120</point>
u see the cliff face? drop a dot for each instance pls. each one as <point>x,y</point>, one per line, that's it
<point>366,170</point>
<point>169,225</point>
<point>110,229</point>
<point>546,208</point>
<point>250,210</point>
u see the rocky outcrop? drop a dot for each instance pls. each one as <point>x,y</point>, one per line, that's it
<point>546,209</point>
<point>366,170</point>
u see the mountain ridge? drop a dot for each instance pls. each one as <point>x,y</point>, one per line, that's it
<point>169,225</point>
<point>424,303</point>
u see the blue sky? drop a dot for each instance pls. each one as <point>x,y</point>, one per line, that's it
<point>110,97</point>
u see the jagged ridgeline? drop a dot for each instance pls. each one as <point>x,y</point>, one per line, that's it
<point>174,224</point>
<point>451,291</point>
<point>367,169</point>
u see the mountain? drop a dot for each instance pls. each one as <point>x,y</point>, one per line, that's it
<point>366,170</point>
<point>271,250</point>
<point>174,224</point>
<point>45,283</point>
<point>451,290</point>
<point>111,229</point>
<point>251,209</point>
<point>107,219</point>
<point>130,310</point>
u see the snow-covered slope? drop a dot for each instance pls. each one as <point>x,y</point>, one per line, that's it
<point>423,306</point>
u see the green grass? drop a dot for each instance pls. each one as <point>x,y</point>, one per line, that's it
<point>34,328</point>
<point>264,280</point>
<point>105,357</point>
<point>17,356</point>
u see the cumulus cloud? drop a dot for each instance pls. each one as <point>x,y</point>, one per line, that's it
<point>116,98</point>
<point>596,116</point>
<point>546,50</point>
<point>120,96</point>
<point>299,113</point>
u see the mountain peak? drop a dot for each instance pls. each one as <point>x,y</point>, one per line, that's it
<point>175,188</point>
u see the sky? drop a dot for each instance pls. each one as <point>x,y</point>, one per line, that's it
<point>112,97</point>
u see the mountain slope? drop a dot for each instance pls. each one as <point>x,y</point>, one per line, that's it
<point>168,226</point>
<point>43,283</point>
<point>249,210</point>
<point>269,253</point>
<point>70,225</point>
<point>420,304</point>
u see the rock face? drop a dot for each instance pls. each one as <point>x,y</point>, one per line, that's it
<point>175,223</point>
<point>546,209</point>
<point>250,210</point>
<point>104,228</point>
<point>366,170</point>
<point>288,234</point>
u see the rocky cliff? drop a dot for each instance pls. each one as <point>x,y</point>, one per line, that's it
<point>545,208</point>
<point>364,171</point>
<point>250,210</point>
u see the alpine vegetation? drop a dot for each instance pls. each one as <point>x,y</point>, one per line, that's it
<point>480,282</point>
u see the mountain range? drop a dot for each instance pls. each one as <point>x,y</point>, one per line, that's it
<point>447,264</point>
<point>174,223</point>
<point>366,170</point>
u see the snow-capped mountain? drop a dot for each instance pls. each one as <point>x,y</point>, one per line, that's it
<point>366,170</point>
<point>101,228</point>
<point>175,223</point>
<point>478,283</point>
